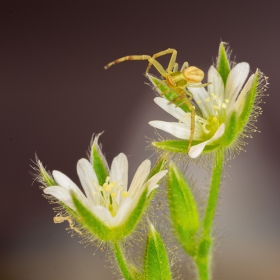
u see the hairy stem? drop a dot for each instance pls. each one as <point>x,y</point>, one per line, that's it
<point>203,259</point>
<point>214,193</point>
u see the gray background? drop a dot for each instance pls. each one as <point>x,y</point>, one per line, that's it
<point>55,94</point>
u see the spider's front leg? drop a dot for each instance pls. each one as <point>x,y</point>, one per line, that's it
<point>128,57</point>
<point>171,62</point>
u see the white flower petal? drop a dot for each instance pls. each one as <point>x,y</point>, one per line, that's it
<point>119,173</point>
<point>217,84</point>
<point>119,170</point>
<point>103,214</point>
<point>235,81</point>
<point>140,177</point>
<point>196,150</point>
<point>170,108</point>
<point>200,95</point>
<point>152,182</point>
<point>179,130</point>
<point>61,194</point>
<point>65,182</point>
<point>124,211</point>
<point>240,102</point>
<point>151,188</point>
<point>87,177</point>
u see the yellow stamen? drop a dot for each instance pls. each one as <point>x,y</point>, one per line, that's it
<point>214,96</point>
<point>125,194</point>
<point>207,99</point>
<point>226,100</point>
<point>106,187</point>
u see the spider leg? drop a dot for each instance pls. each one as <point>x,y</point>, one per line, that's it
<point>175,68</point>
<point>184,66</point>
<point>189,94</point>
<point>198,85</point>
<point>186,97</point>
<point>171,62</point>
<point>166,91</point>
<point>129,57</point>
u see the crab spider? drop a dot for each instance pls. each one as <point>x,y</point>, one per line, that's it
<point>178,81</point>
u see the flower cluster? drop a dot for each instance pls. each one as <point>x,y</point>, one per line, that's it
<point>107,209</point>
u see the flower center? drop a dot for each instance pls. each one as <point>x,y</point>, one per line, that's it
<point>108,194</point>
<point>211,125</point>
<point>216,112</point>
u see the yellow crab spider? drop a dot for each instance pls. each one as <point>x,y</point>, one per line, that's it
<point>178,81</point>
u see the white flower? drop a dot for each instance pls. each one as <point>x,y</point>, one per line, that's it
<point>112,202</point>
<point>215,107</point>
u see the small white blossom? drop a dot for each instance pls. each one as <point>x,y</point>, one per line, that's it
<point>215,105</point>
<point>112,202</point>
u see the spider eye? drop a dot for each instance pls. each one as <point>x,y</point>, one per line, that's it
<point>193,74</point>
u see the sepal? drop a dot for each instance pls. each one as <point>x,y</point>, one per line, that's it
<point>223,64</point>
<point>43,175</point>
<point>249,102</point>
<point>98,161</point>
<point>231,133</point>
<point>180,146</point>
<point>164,90</point>
<point>159,166</point>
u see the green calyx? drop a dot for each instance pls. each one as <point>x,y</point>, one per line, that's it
<point>99,228</point>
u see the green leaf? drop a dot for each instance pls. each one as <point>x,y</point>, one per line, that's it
<point>156,264</point>
<point>223,65</point>
<point>183,209</point>
<point>180,146</point>
<point>99,162</point>
<point>231,132</point>
<point>249,103</point>
<point>98,228</point>
<point>164,90</point>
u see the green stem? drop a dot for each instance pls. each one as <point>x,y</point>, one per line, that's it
<point>203,258</point>
<point>203,267</point>
<point>122,262</point>
<point>214,193</point>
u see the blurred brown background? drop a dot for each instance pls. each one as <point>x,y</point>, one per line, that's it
<point>55,94</point>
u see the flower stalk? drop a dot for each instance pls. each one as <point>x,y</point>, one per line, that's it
<point>204,256</point>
